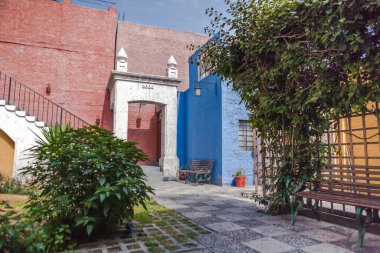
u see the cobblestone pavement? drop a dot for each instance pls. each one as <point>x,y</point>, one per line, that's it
<point>239,226</point>
<point>219,220</point>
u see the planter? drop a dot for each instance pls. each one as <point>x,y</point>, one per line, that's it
<point>240,181</point>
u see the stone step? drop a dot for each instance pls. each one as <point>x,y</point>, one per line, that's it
<point>2,102</point>
<point>30,118</point>
<point>11,108</point>
<point>39,123</point>
<point>21,113</point>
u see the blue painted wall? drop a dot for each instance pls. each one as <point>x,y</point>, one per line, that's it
<point>200,130</point>
<point>208,126</point>
<point>233,157</point>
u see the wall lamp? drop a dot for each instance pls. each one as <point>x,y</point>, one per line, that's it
<point>198,91</point>
<point>97,121</point>
<point>48,89</point>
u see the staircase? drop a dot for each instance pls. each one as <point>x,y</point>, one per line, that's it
<point>34,107</point>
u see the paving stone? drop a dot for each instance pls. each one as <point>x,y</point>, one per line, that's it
<point>340,230</point>
<point>218,212</point>
<point>214,202</point>
<point>251,223</point>
<point>231,217</point>
<point>325,248</point>
<point>206,208</point>
<point>186,210</point>
<point>296,240</point>
<point>215,240</point>
<point>236,248</point>
<point>242,235</point>
<point>224,226</point>
<point>268,245</point>
<point>271,230</point>
<point>207,220</point>
<point>193,215</point>
<point>238,210</point>
<point>324,235</point>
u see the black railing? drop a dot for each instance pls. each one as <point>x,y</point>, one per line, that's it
<point>35,104</point>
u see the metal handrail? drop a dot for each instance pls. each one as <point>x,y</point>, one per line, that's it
<point>34,104</point>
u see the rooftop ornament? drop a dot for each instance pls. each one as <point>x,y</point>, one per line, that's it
<point>121,61</point>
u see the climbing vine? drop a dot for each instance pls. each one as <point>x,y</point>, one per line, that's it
<point>297,65</point>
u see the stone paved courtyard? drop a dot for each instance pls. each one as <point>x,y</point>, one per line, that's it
<point>228,223</point>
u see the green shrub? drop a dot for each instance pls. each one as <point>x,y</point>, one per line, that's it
<point>13,186</point>
<point>23,233</point>
<point>86,182</point>
<point>88,178</point>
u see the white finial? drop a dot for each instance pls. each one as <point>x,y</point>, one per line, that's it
<point>172,71</point>
<point>121,61</point>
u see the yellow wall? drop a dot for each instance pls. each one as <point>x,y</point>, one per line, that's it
<point>7,150</point>
<point>357,153</point>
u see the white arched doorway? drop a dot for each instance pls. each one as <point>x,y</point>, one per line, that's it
<point>126,88</point>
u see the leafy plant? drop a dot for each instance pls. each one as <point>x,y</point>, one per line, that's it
<point>297,66</point>
<point>88,178</point>
<point>240,172</point>
<point>14,186</point>
<point>24,233</point>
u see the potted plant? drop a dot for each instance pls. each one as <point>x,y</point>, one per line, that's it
<point>240,177</point>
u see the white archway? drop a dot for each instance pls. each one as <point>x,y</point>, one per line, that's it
<point>128,88</point>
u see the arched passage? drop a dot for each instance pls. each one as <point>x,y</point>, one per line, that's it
<point>144,128</point>
<point>129,88</point>
<point>7,153</point>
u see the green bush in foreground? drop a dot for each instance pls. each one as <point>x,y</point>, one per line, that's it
<point>87,181</point>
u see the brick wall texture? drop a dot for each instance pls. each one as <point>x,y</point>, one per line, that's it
<point>72,48</point>
<point>69,47</point>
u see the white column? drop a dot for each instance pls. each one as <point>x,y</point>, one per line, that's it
<point>169,160</point>
<point>120,116</point>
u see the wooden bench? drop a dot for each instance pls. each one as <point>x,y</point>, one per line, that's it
<point>350,185</point>
<point>199,171</point>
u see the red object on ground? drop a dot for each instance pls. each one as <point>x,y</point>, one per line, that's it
<point>182,176</point>
<point>240,181</point>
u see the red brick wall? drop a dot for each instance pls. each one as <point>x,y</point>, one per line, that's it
<point>143,129</point>
<point>149,48</point>
<point>67,46</point>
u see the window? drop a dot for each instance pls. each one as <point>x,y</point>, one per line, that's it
<point>204,69</point>
<point>245,135</point>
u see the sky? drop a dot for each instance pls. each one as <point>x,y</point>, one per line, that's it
<point>184,15</point>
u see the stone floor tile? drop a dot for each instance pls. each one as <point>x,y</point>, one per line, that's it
<point>231,217</point>
<point>213,202</point>
<point>224,226</point>
<point>238,210</point>
<point>235,248</point>
<point>251,223</point>
<point>206,208</point>
<point>192,215</point>
<point>324,235</point>
<point>218,212</point>
<point>271,231</point>
<point>242,235</point>
<point>186,210</point>
<point>269,245</point>
<point>296,240</point>
<point>215,240</point>
<point>325,248</point>
<point>207,220</point>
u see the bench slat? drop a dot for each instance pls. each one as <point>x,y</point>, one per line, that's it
<point>341,199</point>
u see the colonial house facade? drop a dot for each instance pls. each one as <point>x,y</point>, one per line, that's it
<point>67,64</point>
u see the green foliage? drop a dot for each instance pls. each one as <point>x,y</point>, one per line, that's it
<point>240,172</point>
<point>88,178</point>
<point>24,233</point>
<point>297,65</point>
<point>86,183</point>
<point>14,186</point>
